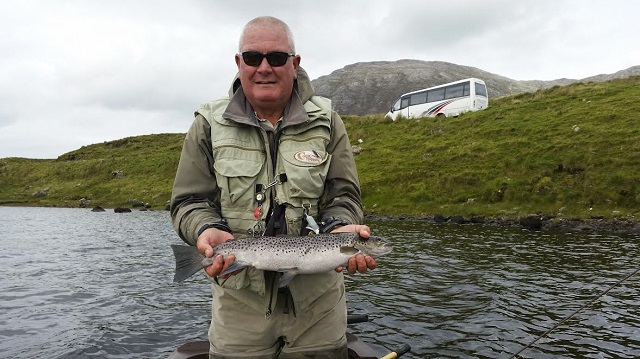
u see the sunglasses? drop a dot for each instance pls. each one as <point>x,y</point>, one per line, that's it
<point>275,58</point>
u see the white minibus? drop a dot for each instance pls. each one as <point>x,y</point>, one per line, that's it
<point>450,99</point>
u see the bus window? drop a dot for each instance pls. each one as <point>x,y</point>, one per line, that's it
<point>418,98</point>
<point>405,102</point>
<point>435,95</point>
<point>481,90</point>
<point>454,91</point>
<point>466,89</point>
<point>396,106</point>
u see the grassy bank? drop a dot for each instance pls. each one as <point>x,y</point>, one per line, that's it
<point>572,150</point>
<point>110,174</point>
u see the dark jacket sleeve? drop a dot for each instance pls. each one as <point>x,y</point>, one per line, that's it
<point>341,198</point>
<point>195,197</point>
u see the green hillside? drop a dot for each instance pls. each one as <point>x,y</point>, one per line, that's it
<point>110,174</point>
<point>573,150</point>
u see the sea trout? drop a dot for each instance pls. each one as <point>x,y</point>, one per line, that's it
<point>291,255</point>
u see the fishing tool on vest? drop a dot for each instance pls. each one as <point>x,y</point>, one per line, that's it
<point>309,225</point>
<point>260,195</point>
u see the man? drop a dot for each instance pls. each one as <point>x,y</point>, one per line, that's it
<point>269,160</point>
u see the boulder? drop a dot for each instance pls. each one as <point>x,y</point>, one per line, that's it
<point>457,219</point>
<point>84,203</point>
<point>41,193</point>
<point>533,222</point>
<point>438,218</point>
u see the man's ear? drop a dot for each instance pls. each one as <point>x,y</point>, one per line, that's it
<point>296,65</point>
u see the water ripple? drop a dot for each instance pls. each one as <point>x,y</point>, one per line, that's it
<point>482,292</point>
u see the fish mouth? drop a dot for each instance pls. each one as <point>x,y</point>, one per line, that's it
<point>376,250</point>
<point>375,246</point>
<point>380,251</point>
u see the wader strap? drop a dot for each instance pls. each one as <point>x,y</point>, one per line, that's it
<point>276,222</point>
<point>285,300</point>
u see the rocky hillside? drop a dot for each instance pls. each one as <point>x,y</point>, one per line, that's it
<point>372,87</point>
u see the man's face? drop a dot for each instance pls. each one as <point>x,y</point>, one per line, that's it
<point>267,88</point>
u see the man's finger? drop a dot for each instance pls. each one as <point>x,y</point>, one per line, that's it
<point>361,263</point>
<point>371,262</point>
<point>216,267</point>
<point>227,262</point>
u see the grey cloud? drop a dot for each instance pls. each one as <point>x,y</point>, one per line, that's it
<point>86,71</point>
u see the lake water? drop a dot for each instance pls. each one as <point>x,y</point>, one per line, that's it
<point>76,284</point>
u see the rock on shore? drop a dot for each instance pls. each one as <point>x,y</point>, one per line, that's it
<point>534,222</point>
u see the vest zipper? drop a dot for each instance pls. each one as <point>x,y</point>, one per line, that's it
<point>304,139</point>
<point>269,309</point>
<point>240,147</point>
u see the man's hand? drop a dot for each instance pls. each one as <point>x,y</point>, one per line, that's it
<point>359,262</point>
<point>210,238</point>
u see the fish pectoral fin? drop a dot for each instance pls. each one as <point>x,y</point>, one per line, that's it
<point>349,250</point>
<point>286,278</point>
<point>235,266</point>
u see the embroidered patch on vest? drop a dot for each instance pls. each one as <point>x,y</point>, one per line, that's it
<point>311,157</point>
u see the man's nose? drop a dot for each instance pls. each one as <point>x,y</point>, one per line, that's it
<point>264,65</point>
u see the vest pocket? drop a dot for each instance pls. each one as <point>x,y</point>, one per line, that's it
<point>236,281</point>
<point>306,171</point>
<point>236,172</point>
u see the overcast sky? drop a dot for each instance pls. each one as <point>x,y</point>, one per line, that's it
<point>75,73</point>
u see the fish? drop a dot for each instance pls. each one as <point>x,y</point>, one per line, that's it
<point>291,255</point>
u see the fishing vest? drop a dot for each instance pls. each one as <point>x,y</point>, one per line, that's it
<point>246,173</point>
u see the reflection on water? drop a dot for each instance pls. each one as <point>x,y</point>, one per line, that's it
<point>74,283</point>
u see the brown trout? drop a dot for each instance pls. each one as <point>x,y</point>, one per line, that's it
<point>291,255</point>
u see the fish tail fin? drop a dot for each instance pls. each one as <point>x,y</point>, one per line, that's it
<point>188,261</point>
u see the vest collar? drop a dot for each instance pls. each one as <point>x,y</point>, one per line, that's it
<point>239,110</point>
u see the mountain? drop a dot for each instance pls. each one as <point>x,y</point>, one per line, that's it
<point>367,88</point>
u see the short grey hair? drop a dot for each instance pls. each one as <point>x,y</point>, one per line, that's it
<point>272,22</point>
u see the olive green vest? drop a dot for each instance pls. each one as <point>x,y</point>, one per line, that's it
<point>243,165</point>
